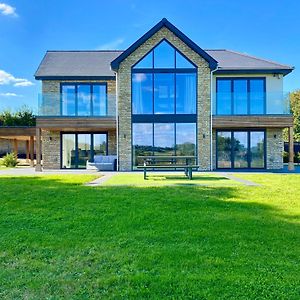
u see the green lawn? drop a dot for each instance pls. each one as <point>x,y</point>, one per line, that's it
<point>60,239</point>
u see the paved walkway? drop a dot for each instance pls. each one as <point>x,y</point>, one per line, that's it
<point>101,179</point>
<point>240,180</point>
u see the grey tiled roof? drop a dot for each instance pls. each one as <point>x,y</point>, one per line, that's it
<point>97,63</point>
<point>232,60</point>
<point>76,64</point>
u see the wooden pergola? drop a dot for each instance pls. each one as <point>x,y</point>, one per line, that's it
<point>20,133</point>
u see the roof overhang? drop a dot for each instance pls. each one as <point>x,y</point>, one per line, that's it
<point>75,77</point>
<point>164,23</point>
<point>253,71</point>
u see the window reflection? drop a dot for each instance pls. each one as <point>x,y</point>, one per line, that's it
<point>240,97</point>
<point>224,97</point>
<point>164,93</point>
<point>142,141</point>
<point>257,141</point>
<point>186,93</point>
<point>164,143</point>
<point>142,93</point>
<point>224,149</point>
<point>68,100</point>
<point>164,56</point>
<point>240,147</point>
<point>84,100</point>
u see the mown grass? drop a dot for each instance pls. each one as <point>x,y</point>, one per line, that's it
<point>60,239</point>
<point>161,179</point>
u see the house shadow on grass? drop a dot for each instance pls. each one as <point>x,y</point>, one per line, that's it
<point>200,242</point>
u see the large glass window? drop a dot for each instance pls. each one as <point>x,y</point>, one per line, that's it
<point>186,93</point>
<point>68,100</point>
<point>164,82</point>
<point>186,139</point>
<point>240,149</point>
<point>84,99</point>
<point>142,141</point>
<point>223,97</point>
<point>164,93</point>
<point>164,97</point>
<point>78,148</point>
<point>240,96</point>
<point>163,139</point>
<point>142,93</point>
<point>164,142</point>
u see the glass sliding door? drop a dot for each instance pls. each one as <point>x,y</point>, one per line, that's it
<point>257,142</point>
<point>224,150</point>
<point>83,149</point>
<point>68,151</point>
<point>100,144</point>
<point>240,147</point>
<point>78,148</point>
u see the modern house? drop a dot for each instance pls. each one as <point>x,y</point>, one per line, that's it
<point>164,95</point>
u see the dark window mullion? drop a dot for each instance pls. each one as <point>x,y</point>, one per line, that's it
<point>92,147</point>
<point>248,98</point>
<point>76,151</point>
<point>249,154</point>
<point>232,150</point>
<point>91,100</point>
<point>76,99</point>
<point>232,97</point>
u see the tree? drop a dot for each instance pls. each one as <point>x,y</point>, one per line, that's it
<point>295,109</point>
<point>23,117</point>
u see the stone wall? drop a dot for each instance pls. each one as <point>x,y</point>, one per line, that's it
<point>124,98</point>
<point>112,143</point>
<point>275,146</point>
<point>51,149</point>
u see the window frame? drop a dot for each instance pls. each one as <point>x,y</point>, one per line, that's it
<point>76,145</point>
<point>76,84</point>
<point>249,158</point>
<point>248,79</point>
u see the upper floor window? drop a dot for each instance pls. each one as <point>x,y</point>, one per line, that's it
<point>241,96</point>
<point>82,99</point>
<point>164,82</point>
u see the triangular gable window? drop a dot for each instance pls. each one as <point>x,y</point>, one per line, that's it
<point>182,62</point>
<point>146,62</point>
<point>164,56</point>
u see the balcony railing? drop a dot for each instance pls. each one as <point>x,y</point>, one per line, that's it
<point>270,103</point>
<point>54,105</point>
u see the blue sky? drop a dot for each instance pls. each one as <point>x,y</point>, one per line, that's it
<point>268,29</point>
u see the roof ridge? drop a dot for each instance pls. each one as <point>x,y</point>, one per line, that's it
<point>85,51</point>
<point>261,59</point>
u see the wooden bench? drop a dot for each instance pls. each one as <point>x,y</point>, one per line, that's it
<point>188,169</point>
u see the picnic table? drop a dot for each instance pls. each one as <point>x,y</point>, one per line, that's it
<point>150,162</point>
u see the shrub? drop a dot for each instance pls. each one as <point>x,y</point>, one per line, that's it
<point>10,160</point>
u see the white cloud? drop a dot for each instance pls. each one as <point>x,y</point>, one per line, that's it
<point>10,95</point>
<point>111,45</point>
<point>7,10</point>
<point>6,79</point>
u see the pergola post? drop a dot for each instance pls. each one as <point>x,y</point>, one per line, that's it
<point>31,146</point>
<point>38,167</point>
<point>27,151</point>
<point>16,147</point>
<point>291,166</point>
